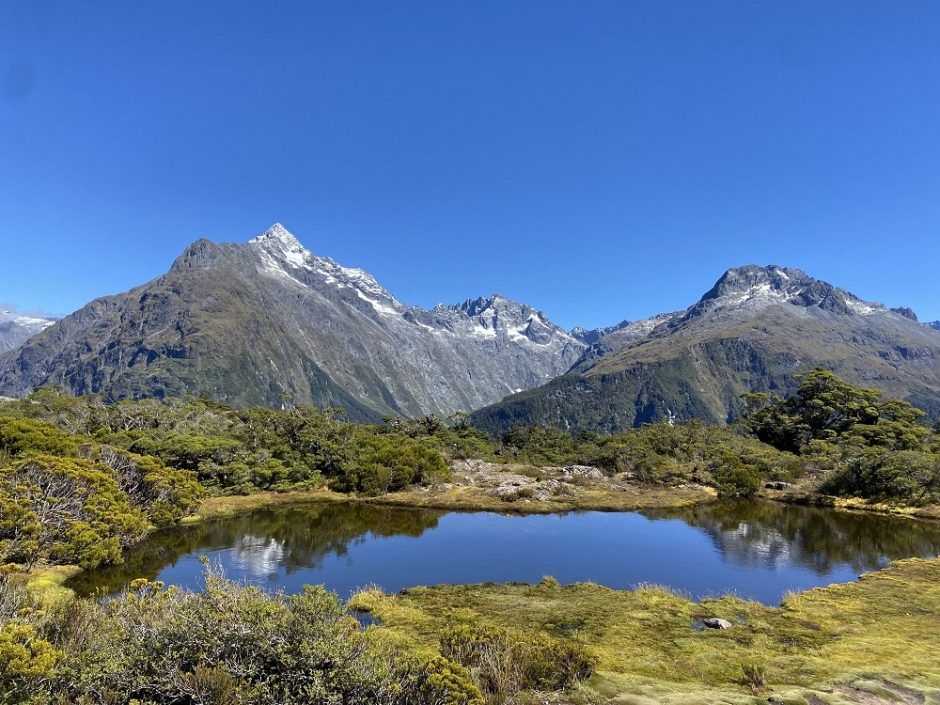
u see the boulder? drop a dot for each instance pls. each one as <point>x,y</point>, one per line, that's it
<point>777,485</point>
<point>716,623</point>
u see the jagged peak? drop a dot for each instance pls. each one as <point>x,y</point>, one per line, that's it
<point>756,285</point>
<point>279,235</point>
<point>905,311</point>
<point>278,242</point>
<point>592,335</point>
<point>744,278</point>
<point>495,302</point>
<point>201,253</point>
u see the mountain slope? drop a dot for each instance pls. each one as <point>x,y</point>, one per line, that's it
<point>16,328</point>
<point>253,323</point>
<point>755,329</point>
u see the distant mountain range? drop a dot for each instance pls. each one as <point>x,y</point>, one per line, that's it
<point>268,322</point>
<point>755,329</point>
<point>16,328</point>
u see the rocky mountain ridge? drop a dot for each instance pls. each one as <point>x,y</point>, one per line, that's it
<point>268,321</point>
<point>752,331</point>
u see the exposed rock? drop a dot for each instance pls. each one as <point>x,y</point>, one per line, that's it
<point>752,331</point>
<point>254,323</point>
<point>716,623</point>
<point>585,471</point>
<point>776,485</point>
<point>905,311</point>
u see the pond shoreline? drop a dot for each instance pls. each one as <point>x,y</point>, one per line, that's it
<point>49,580</point>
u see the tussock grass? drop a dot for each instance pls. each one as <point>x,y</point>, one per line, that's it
<point>835,645</point>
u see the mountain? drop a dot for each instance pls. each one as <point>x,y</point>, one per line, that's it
<point>16,328</point>
<point>588,337</point>
<point>933,324</point>
<point>755,329</point>
<point>252,323</point>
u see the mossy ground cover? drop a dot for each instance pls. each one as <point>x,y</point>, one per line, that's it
<point>872,641</point>
<point>47,582</point>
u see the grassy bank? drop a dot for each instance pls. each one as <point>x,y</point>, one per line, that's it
<point>465,498</point>
<point>228,506</point>
<point>816,499</point>
<point>873,641</point>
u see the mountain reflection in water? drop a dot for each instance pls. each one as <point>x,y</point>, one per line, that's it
<point>774,535</point>
<point>756,549</point>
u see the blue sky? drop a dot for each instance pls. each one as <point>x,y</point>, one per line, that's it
<point>599,160</point>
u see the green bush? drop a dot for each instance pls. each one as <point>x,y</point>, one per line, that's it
<point>64,510</point>
<point>912,477</point>
<point>735,480</point>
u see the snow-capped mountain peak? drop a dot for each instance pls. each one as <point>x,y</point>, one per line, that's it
<point>278,242</point>
<point>753,286</point>
<point>16,327</point>
<point>33,324</point>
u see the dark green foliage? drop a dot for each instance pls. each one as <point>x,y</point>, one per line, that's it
<point>390,462</point>
<point>828,409</point>
<point>539,445</point>
<point>909,476</point>
<point>735,480</point>
<point>872,448</point>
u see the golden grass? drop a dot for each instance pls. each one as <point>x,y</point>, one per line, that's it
<point>227,506</point>
<point>469,498</point>
<point>830,645</point>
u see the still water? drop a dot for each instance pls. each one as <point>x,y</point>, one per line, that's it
<point>758,550</point>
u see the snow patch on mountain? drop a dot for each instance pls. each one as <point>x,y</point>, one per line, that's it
<point>280,251</point>
<point>33,324</point>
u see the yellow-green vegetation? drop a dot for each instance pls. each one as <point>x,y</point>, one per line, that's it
<point>222,506</point>
<point>230,643</point>
<point>852,643</point>
<point>46,583</point>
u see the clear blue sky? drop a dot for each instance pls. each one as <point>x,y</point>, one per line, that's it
<point>599,160</point>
